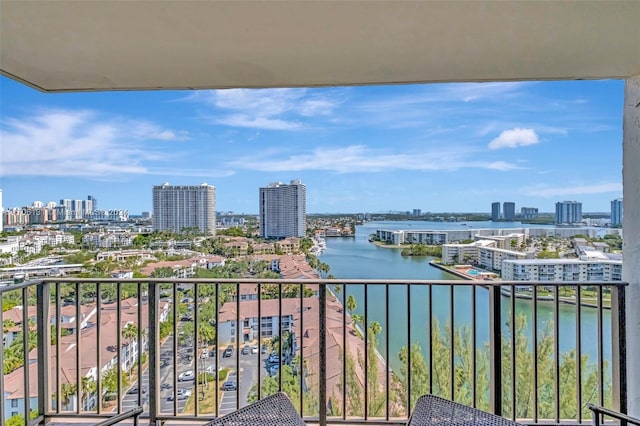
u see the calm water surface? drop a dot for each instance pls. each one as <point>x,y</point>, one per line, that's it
<point>358,259</point>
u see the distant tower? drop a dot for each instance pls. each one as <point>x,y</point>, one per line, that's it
<point>568,212</point>
<point>283,210</point>
<point>509,211</point>
<point>616,212</point>
<point>495,211</point>
<point>529,212</point>
<point>179,207</point>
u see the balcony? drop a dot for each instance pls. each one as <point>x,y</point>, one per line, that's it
<point>469,341</point>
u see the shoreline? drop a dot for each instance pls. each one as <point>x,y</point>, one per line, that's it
<point>391,246</point>
<point>507,293</point>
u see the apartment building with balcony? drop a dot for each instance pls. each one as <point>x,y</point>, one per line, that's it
<point>581,270</point>
<point>178,207</point>
<point>283,210</point>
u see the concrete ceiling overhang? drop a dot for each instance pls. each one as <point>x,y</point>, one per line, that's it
<point>144,45</point>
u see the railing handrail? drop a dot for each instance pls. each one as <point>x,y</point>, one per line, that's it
<point>120,417</point>
<point>453,282</point>
<point>610,413</point>
<point>151,299</point>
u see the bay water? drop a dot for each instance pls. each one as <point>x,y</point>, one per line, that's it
<point>357,258</point>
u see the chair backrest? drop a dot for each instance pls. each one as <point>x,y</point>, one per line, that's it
<point>433,410</point>
<point>274,410</point>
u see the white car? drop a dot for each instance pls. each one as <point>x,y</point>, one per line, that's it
<point>181,394</point>
<point>187,375</point>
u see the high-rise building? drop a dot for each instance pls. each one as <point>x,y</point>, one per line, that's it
<point>64,210</point>
<point>495,211</point>
<point>283,210</point>
<point>616,212</point>
<point>568,212</point>
<point>509,211</point>
<point>89,206</point>
<point>178,207</point>
<point>529,212</point>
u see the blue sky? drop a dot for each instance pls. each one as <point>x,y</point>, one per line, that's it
<point>437,147</point>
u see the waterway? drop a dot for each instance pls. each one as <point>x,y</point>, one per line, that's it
<point>357,258</point>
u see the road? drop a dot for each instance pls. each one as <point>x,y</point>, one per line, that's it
<point>248,376</point>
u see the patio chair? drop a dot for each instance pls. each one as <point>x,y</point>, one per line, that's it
<point>274,410</point>
<point>433,410</point>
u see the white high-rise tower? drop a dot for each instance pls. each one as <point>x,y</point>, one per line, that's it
<point>179,207</point>
<point>283,210</point>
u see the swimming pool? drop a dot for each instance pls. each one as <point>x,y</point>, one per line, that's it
<point>472,272</point>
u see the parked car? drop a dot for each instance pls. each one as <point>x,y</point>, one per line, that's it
<point>273,358</point>
<point>181,394</point>
<point>187,375</point>
<point>227,352</point>
<point>254,349</point>
<point>246,350</point>
<point>134,389</point>
<point>273,370</point>
<point>264,349</point>
<point>229,386</point>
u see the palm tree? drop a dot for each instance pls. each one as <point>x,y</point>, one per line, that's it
<point>130,333</point>
<point>66,391</point>
<point>89,388</point>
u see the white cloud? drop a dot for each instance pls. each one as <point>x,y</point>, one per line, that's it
<point>575,190</point>
<point>78,143</point>
<point>513,138</point>
<point>361,158</point>
<point>264,123</point>
<point>269,109</point>
<point>502,165</point>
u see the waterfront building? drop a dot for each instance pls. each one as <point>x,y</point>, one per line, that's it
<point>178,207</point>
<point>616,212</point>
<point>495,211</point>
<point>484,252</point>
<point>1,212</point>
<point>463,253</point>
<point>583,269</point>
<point>568,212</point>
<point>509,211</point>
<point>506,241</point>
<point>529,212</point>
<point>492,258</point>
<point>283,210</point>
<point>417,212</point>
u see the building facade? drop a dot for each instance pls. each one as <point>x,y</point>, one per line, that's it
<point>568,212</point>
<point>561,270</point>
<point>283,210</point>
<point>616,212</point>
<point>178,207</point>
<point>529,212</point>
<point>495,211</point>
<point>509,211</point>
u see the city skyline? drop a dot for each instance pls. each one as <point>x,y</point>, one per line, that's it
<point>438,147</point>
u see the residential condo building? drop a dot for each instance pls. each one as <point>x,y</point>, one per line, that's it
<point>283,210</point>
<point>509,211</point>
<point>529,212</point>
<point>495,211</point>
<point>568,212</point>
<point>178,207</point>
<point>616,212</point>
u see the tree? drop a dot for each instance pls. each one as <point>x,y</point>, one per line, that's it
<point>351,303</point>
<point>67,390</point>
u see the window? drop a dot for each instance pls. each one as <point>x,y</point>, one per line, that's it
<point>14,403</point>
